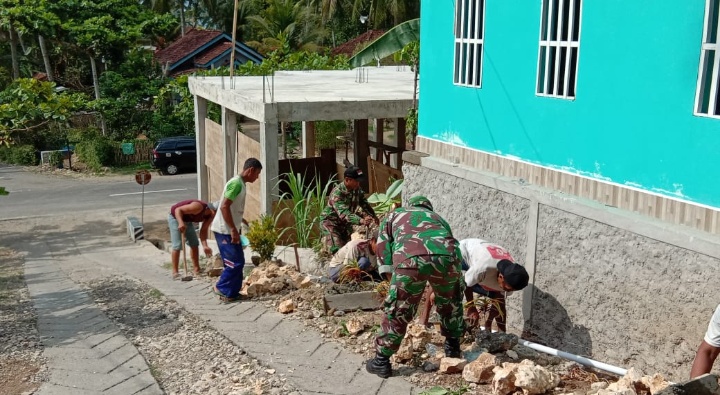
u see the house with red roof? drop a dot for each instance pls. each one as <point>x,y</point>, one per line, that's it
<point>203,50</point>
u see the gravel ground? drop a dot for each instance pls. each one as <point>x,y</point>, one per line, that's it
<point>185,355</point>
<point>22,366</point>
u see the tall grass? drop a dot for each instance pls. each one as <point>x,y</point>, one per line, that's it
<point>306,204</point>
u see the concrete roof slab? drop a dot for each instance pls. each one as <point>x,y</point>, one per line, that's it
<point>385,92</point>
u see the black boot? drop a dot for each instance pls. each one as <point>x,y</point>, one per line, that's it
<point>380,365</point>
<point>452,348</point>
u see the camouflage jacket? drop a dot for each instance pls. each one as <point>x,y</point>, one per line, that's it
<point>342,204</point>
<point>414,231</point>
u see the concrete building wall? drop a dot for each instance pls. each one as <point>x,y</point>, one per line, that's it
<point>605,291</point>
<point>631,121</point>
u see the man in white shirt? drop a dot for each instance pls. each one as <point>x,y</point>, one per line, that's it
<point>490,271</point>
<point>359,250</point>
<point>226,227</point>
<point>709,347</point>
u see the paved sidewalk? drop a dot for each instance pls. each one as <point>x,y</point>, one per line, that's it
<point>69,319</point>
<point>86,352</point>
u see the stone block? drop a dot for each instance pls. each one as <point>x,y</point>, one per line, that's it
<point>481,369</point>
<point>452,365</point>
<point>366,300</point>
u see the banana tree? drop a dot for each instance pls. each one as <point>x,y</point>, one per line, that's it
<point>392,41</point>
<point>383,202</point>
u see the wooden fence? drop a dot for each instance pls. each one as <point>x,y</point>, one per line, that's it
<point>143,153</point>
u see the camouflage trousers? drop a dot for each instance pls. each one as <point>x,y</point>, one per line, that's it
<point>335,235</point>
<point>406,288</point>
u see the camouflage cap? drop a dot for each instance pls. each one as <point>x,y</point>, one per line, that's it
<point>420,201</point>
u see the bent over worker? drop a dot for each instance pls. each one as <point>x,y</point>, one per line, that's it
<point>416,244</point>
<point>490,271</point>
<point>180,221</point>
<point>339,216</point>
<point>361,251</point>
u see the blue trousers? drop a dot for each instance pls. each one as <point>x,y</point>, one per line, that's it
<point>231,278</point>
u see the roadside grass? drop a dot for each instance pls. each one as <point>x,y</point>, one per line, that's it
<point>130,169</point>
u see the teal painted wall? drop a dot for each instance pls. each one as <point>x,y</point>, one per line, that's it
<point>632,120</point>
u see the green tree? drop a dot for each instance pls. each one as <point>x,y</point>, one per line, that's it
<point>289,25</point>
<point>29,107</point>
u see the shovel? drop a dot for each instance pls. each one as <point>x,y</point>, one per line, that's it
<point>187,276</point>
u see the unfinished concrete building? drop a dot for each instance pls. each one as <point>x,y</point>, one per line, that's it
<point>362,96</point>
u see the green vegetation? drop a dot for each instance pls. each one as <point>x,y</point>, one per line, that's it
<point>83,73</point>
<point>383,202</point>
<point>263,237</point>
<point>306,201</point>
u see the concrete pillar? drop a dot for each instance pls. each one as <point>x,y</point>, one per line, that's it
<point>269,158</point>
<point>360,148</point>
<point>530,255</point>
<point>378,137</point>
<point>400,141</point>
<point>308,139</point>
<point>229,128</point>
<point>202,171</point>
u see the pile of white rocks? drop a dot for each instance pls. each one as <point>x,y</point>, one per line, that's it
<point>271,278</point>
<point>493,360</point>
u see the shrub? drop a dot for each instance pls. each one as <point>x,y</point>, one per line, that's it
<point>326,133</point>
<point>263,236</point>
<point>56,159</point>
<point>24,155</point>
<point>4,154</point>
<point>95,152</point>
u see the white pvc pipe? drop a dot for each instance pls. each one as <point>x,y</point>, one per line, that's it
<point>576,358</point>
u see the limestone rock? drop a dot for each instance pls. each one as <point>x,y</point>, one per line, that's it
<point>601,385</point>
<point>512,354</point>
<point>405,352</point>
<point>305,283</point>
<point>655,382</point>
<point>286,306</point>
<point>355,326</point>
<point>632,381</point>
<point>496,342</point>
<point>452,365</point>
<point>534,379</point>
<point>481,369</point>
<point>503,381</point>
<point>624,391</point>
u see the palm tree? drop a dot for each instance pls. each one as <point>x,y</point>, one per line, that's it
<point>286,23</point>
<point>386,13</point>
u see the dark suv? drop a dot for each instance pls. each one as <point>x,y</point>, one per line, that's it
<point>174,154</point>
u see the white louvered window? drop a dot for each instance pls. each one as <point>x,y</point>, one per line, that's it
<point>559,48</point>
<point>707,96</point>
<point>469,34</point>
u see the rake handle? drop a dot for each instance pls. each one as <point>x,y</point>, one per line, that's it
<point>182,244</point>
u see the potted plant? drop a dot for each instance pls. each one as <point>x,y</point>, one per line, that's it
<point>263,236</point>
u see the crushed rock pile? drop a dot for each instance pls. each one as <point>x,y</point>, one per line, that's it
<point>271,278</point>
<point>496,362</point>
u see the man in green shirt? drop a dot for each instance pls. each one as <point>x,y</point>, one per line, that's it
<point>226,227</point>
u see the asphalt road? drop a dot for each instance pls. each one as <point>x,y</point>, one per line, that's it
<point>37,194</point>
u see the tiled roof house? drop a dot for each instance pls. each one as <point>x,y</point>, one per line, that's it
<point>203,50</point>
<point>351,47</point>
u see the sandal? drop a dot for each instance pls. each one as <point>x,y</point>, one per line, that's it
<point>176,276</point>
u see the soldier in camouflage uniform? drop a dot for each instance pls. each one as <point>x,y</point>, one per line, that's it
<point>339,216</point>
<point>417,246</point>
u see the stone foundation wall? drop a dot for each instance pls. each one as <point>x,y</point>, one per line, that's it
<point>599,290</point>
